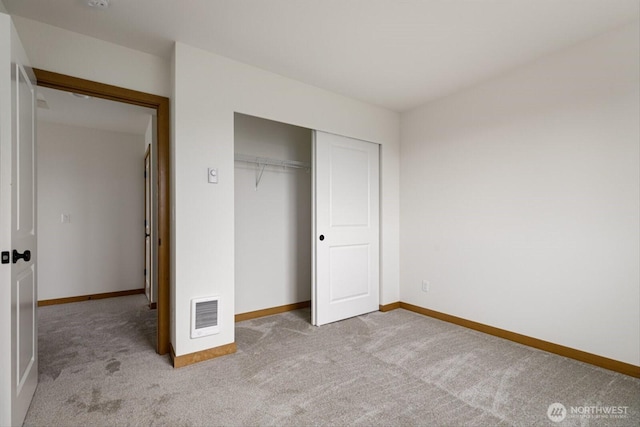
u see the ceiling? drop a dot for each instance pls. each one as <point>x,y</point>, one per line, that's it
<point>394,53</point>
<point>95,113</point>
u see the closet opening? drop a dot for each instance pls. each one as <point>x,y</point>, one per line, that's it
<point>273,217</point>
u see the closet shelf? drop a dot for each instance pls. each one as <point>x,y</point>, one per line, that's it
<point>261,162</point>
<point>264,161</point>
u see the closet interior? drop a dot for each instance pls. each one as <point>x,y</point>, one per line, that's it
<point>272,214</point>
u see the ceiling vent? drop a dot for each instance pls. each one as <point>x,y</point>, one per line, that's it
<point>98,4</point>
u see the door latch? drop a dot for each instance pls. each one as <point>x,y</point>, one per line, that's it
<point>6,259</point>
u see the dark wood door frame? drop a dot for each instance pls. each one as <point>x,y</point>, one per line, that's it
<point>161,105</point>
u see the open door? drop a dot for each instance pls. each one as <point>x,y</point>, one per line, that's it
<point>147,228</point>
<point>17,227</point>
<point>346,226</point>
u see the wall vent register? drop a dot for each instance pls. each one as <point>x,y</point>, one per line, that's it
<point>205,314</point>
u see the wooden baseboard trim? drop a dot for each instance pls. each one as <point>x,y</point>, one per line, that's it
<point>89,297</point>
<point>200,356</point>
<point>273,310</point>
<point>389,307</point>
<point>572,353</point>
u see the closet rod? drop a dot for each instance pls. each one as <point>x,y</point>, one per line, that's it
<point>261,162</point>
<point>264,161</point>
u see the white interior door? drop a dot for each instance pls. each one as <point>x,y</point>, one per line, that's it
<point>346,228</point>
<point>18,224</point>
<point>147,227</point>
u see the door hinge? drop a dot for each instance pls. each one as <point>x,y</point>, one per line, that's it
<point>6,257</point>
<point>145,272</point>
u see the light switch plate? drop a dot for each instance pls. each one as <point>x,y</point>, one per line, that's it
<point>213,176</point>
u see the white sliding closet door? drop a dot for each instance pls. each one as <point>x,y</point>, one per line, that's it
<point>345,228</point>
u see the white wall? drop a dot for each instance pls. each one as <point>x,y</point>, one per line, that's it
<point>62,51</point>
<point>520,200</point>
<point>208,90</point>
<point>2,8</point>
<point>94,176</point>
<point>272,222</point>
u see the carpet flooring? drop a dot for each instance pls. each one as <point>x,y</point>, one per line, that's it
<point>98,367</point>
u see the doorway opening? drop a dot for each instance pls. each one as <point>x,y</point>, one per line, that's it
<point>160,105</point>
<point>90,214</point>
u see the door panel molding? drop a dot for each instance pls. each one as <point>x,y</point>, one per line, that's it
<point>25,313</point>
<point>161,105</point>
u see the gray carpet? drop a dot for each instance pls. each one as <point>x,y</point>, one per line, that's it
<point>98,367</point>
